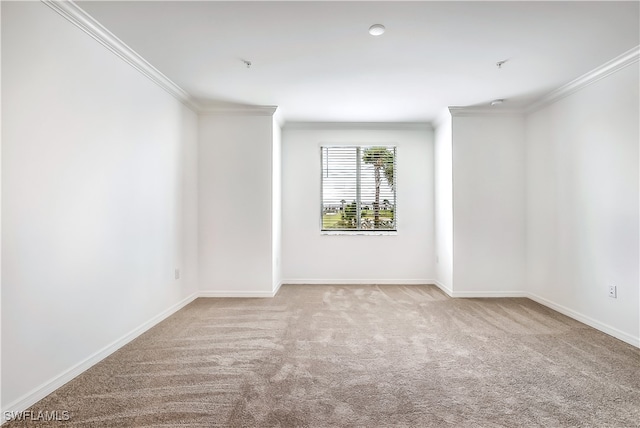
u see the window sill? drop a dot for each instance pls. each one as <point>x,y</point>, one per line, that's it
<point>360,232</point>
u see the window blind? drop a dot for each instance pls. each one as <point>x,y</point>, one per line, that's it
<point>358,188</point>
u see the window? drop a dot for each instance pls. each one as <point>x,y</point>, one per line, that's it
<point>358,188</point>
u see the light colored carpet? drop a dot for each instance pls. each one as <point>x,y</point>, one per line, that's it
<point>365,356</point>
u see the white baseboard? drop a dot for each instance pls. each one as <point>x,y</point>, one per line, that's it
<point>38,393</point>
<point>490,294</point>
<point>230,293</point>
<point>444,288</point>
<point>612,331</point>
<point>277,288</point>
<point>298,281</point>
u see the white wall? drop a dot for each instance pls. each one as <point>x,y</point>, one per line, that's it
<point>235,204</point>
<point>311,257</point>
<point>582,203</point>
<point>1,407</point>
<point>443,175</point>
<point>276,203</point>
<point>488,205</point>
<point>98,199</point>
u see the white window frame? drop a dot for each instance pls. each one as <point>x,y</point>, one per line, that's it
<point>351,232</point>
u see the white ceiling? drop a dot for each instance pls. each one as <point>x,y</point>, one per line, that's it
<point>317,62</point>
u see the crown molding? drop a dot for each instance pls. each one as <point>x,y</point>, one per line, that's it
<point>238,110</point>
<point>81,19</point>
<point>382,126</point>
<point>457,111</point>
<point>629,57</point>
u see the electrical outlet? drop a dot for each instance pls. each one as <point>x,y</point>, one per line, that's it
<point>613,291</point>
<point>177,274</point>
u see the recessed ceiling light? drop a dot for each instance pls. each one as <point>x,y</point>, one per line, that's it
<point>376,29</point>
<point>496,102</point>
